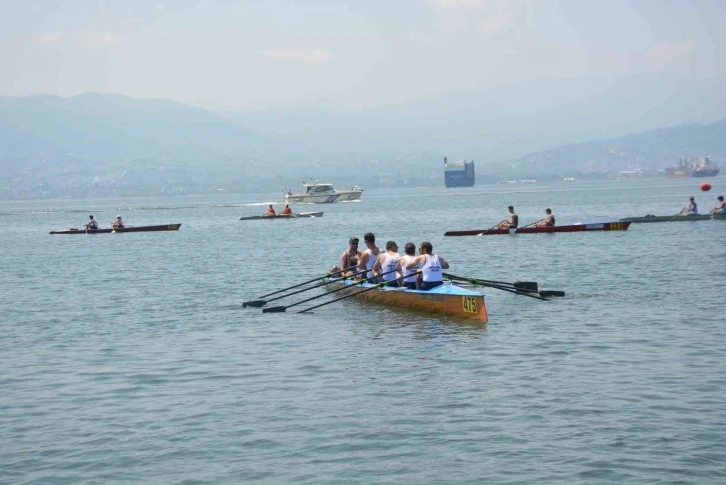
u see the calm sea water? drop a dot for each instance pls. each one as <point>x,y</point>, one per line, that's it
<point>128,358</point>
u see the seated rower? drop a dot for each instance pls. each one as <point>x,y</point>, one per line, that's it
<point>512,222</point>
<point>350,258</point>
<point>118,223</point>
<point>270,211</point>
<point>386,265</point>
<point>92,223</point>
<point>412,280</point>
<point>721,207</point>
<point>431,266</point>
<point>286,211</point>
<point>548,221</point>
<point>692,208</point>
<point>368,257</point>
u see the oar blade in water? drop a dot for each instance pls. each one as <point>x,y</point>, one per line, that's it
<point>530,286</point>
<point>546,293</point>
<point>274,309</point>
<point>254,303</point>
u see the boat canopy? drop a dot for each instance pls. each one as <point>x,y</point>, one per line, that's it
<point>318,188</point>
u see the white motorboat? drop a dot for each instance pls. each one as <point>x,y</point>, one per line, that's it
<point>317,193</point>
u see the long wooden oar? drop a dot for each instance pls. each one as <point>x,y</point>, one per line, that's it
<point>511,290</point>
<point>494,226</point>
<point>376,286</point>
<point>523,287</point>
<point>679,214</point>
<point>278,309</point>
<point>520,286</point>
<point>260,303</point>
<point>531,224</point>
<point>527,286</point>
<point>498,287</point>
<point>252,303</point>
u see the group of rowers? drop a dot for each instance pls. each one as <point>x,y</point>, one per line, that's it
<point>271,211</point>
<point>422,272</point>
<point>512,222</point>
<point>692,208</point>
<point>93,223</point>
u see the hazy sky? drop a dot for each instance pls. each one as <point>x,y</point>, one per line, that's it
<point>231,54</point>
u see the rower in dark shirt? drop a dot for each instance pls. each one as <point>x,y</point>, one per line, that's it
<point>350,258</point>
<point>512,222</point>
<point>92,223</point>
<point>691,209</point>
<point>548,221</point>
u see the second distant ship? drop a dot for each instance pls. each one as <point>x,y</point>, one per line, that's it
<point>459,173</point>
<point>691,168</point>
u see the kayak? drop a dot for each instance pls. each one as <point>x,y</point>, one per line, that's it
<point>165,227</point>
<point>447,299</point>
<point>589,226</point>
<point>676,218</point>
<point>283,216</point>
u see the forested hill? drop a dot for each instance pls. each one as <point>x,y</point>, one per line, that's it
<point>652,150</point>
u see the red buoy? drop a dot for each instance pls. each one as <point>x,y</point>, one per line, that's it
<point>705,186</point>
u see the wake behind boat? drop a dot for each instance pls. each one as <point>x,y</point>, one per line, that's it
<point>317,193</point>
<point>579,227</point>
<point>283,216</point>
<point>675,218</point>
<point>165,227</point>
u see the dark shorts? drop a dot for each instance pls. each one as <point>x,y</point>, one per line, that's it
<point>392,284</point>
<point>410,286</point>
<point>427,285</point>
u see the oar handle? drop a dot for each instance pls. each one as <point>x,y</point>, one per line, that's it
<point>376,286</point>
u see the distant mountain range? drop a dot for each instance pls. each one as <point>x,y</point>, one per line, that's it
<point>496,123</point>
<point>95,144</point>
<point>652,150</point>
<point>114,126</point>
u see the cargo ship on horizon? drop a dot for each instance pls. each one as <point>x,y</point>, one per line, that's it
<point>691,167</point>
<point>459,173</point>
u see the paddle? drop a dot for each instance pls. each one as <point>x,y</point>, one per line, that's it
<point>510,290</point>
<point>493,227</point>
<point>528,286</point>
<point>261,303</point>
<point>683,212</point>
<point>376,286</point>
<point>515,290</point>
<point>310,281</point>
<point>532,224</point>
<point>279,309</point>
